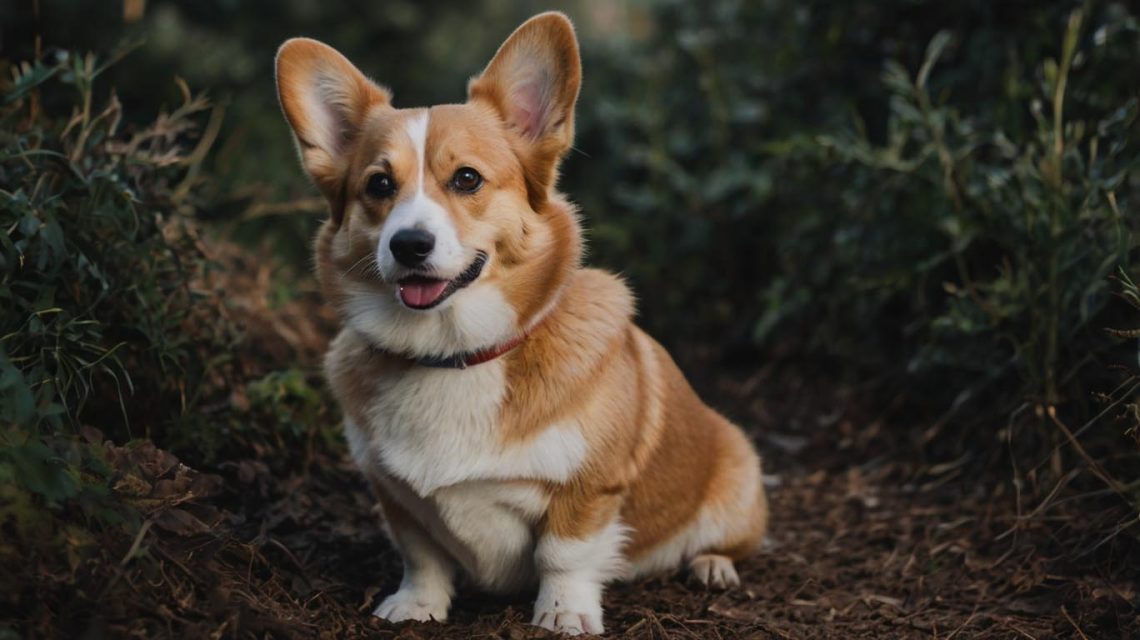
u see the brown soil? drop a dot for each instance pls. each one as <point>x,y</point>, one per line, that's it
<point>858,548</point>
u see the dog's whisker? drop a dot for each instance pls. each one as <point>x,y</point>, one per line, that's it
<point>375,266</point>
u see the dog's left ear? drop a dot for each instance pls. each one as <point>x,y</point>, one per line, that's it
<point>532,82</point>
<point>326,101</point>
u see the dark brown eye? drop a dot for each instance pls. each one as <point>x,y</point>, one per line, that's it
<point>380,186</point>
<point>466,180</point>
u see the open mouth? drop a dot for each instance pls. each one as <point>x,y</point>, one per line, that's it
<point>425,292</point>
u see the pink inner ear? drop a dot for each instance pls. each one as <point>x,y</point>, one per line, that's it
<point>530,106</point>
<point>332,103</point>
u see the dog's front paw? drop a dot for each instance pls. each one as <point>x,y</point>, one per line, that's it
<point>407,604</point>
<point>569,606</point>
<point>714,571</point>
<point>569,622</point>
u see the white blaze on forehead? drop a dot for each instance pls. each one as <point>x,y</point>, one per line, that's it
<point>416,210</point>
<point>417,128</point>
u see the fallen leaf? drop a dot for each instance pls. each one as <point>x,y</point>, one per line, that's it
<point>369,596</point>
<point>180,522</point>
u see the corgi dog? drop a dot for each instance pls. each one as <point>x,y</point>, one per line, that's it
<point>517,428</point>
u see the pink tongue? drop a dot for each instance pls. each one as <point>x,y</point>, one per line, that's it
<point>421,294</point>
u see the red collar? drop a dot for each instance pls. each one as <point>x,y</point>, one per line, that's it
<point>469,358</point>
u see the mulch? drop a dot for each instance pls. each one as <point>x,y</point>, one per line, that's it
<point>859,548</point>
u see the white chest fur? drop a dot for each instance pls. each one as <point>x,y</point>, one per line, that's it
<point>434,428</point>
<point>432,438</point>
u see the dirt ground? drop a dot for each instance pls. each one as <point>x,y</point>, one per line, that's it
<point>860,547</point>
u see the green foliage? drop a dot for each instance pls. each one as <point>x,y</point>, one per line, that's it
<point>94,299</point>
<point>109,317</point>
<point>1002,238</point>
<point>953,243</point>
<point>58,473</point>
<point>926,200</point>
<point>680,158</point>
<point>283,417</point>
<point>291,408</point>
<point>288,399</point>
<point>95,268</point>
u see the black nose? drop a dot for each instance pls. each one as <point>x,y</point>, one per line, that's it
<point>411,246</point>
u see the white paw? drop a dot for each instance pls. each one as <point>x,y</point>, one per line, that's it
<point>407,604</point>
<point>570,606</point>
<point>569,622</point>
<point>714,571</point>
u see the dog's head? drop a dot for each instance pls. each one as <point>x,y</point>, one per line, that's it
<point>446,234</point>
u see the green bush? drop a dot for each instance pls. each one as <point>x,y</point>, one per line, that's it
<point>960,233</point>
<point>95,307</point>
<point>115,342</point>
<point>96,261</point>
<point>112,302</point>
<point>1002,238</point>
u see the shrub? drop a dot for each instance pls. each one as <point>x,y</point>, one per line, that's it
<point>96,314</point>
<point>97,259</point>
<point>1009,235</point>
<point>994,238</point>
<point>117,323</point>
<point>964,227</point>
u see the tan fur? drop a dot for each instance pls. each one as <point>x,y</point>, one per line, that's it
<point>657,457</point>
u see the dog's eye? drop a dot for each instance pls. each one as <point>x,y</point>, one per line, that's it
<point>466,180</point>
<point>380,186</point>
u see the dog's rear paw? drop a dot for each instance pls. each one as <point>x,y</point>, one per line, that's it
<point>714,571</point>
<point>406,604</point>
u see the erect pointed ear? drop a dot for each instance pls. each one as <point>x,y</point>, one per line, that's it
<point>326,100</point>
<point>532,82</point>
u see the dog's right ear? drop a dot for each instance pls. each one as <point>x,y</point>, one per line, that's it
<point>326,101</point>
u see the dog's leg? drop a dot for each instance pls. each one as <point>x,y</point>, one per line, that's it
<point>578,551</point>
<point>427,587</point>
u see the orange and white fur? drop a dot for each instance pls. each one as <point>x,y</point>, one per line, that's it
<point>578,456</point>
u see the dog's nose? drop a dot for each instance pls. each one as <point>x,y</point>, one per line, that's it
<point>411,246</point>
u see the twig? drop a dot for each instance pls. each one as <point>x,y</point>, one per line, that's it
<point>292,558</point>
<point>965,624</point>
<point>178,563</point>
<point>136,543</point>
<point>1018,629</point>
<point>1093,464</point>
<point>131,552</point>
<point>1122,397</point>
<point>194,160</point>
<point>1041,506</point>
<point>1065,613</point>
<point>303,205</point>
